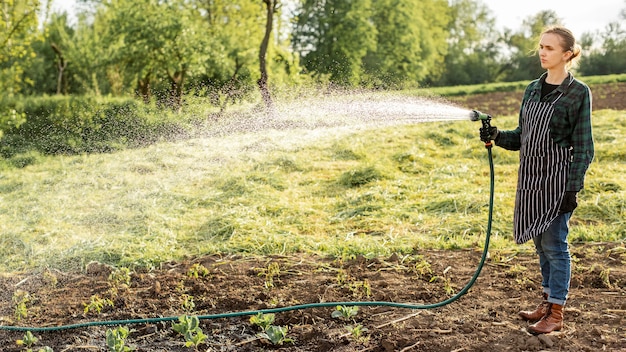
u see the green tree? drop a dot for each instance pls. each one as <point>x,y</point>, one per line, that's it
<point>609,57</point>
<point>410,41</point>
<point>474,46</point>
<point>333,37</point>
<point>18,30</point>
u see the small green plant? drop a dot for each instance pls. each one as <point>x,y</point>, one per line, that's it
<point>198,270</point>
<point>345,313</point>
<point>189,327</point>
<point>277,335</point>
<point>20,299</point>
<point>272,271</point>
<point>360,289</point>
<point>120,277</point>
<point>356,331</point>
<point>96,304</point>
<point>28,340</point>
<point>263,321</point>
<point>188,304</point>
<point>447,285</point>
<point>116,339</point>
<point>50,279</point>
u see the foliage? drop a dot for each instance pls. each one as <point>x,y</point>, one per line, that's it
<point>263,321</point>
<point>189,327</point>
<point>116,339</point>
<point>277,335</point>
<point>96,304</point>
<point>344,312</point>
<point>20,299</point>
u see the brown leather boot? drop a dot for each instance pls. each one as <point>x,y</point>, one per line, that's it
<point>538,313</point>
<point>553,321</point>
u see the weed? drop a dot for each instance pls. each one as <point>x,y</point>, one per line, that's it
<point>198,270</point>
<point>96,304</point>
<point>116,339</point>
<point>20,299</point>
<point>189,327</point>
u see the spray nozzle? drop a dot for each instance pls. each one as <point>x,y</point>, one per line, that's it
<point>476,115</point>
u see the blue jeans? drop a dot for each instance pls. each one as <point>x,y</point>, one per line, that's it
<point>555,259</point>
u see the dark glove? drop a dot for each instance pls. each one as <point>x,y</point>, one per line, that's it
<point>488,134</point>
<point>569,202</point>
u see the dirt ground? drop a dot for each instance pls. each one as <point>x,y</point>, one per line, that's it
<point>485,319</point>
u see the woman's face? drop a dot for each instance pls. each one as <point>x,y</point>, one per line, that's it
<point>551,53</point>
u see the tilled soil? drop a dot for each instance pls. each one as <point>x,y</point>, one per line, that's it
<point>485,319</point>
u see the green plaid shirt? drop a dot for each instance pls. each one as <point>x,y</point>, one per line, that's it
<point>570,125</point>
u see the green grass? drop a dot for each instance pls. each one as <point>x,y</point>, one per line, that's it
<point>331,192</point>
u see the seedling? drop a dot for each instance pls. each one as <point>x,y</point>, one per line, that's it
<point>20,298</point>
<point>96,304</point>
<point>116,340</point>
<point>198,270</point>
<point>189,327</point>
<point>345,313</point>
<point>447,285</point>
<point>28,340</point>
<point>360,289</point>
<point>263,321</point>
<point>356,331</point>
<point>272,271</point>
<point>120,277</point>
<point>188,303</point>
<point>277,335</point>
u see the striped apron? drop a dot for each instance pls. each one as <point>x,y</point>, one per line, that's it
<point>542,173</point>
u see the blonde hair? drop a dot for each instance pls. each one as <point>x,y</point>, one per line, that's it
<point>568,43</point>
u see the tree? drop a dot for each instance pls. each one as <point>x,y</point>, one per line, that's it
<point>271,9</point>
<point>410,42</point>
<point>474,46</point>
<point>152,38</point>
<point>333,37</point>
<point>609,57</point>
<point>18,30</point>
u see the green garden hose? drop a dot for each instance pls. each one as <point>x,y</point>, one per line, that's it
<point>300,306</point>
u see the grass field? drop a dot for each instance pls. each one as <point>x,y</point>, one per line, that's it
<point>330,191</point>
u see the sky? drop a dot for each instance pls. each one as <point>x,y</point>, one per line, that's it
<point>578,16</point>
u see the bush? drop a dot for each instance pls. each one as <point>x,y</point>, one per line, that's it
<point>72,125</point>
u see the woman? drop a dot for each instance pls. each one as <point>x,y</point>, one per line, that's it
<point>556,147</point>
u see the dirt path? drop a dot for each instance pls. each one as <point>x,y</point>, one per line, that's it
<point>485,319</point>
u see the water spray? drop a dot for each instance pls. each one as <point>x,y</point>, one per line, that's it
<point>474,115</point>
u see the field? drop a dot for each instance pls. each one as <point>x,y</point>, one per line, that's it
<point>485,319</point>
